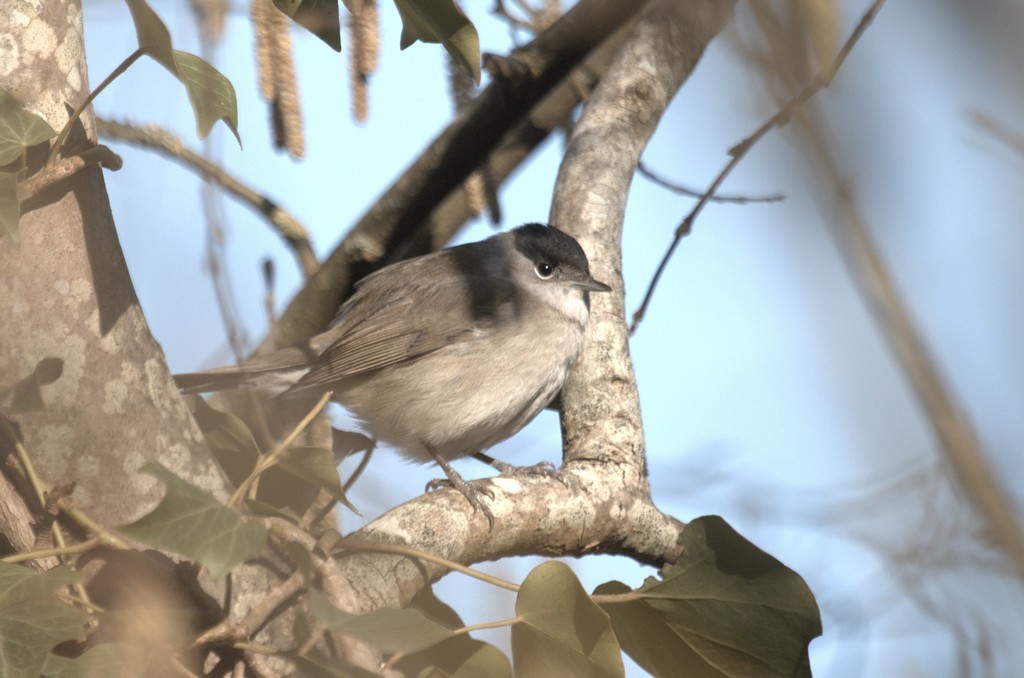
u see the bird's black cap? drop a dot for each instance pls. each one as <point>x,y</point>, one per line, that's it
<point>540,241</point>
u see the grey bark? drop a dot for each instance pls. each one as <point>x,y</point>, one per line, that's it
<point>66,293</point>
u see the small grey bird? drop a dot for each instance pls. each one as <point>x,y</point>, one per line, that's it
<point>443,355</point>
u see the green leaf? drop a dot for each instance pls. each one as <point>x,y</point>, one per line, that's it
<point>316,665</point>
<point>459,657</point>
<point>190,522</point>
<point>441,21</point>
<point>564,633</point>
<point>18,583</point>
<point>347,443</point>
<point>10,208</point>
<point>405,630</point>
<point>456,657</point>
<point>32,619</point>
<point>153,37</point>
<point>26,395</point>
<point>652,644</point>
<point>211,94</point>
<point>286,491</point>
<point>230,440</point>
<point>109,659</point>
<point>19,129</point>
<point>427,602</point>
<point>284,494</point>
<point>319,17</point>
<point>316,465</point>
<point>741,610</point>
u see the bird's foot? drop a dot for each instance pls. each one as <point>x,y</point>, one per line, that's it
<point>454,480</point>
<point>544,468</point>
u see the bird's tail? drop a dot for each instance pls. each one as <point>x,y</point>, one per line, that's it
<point>274,373</point>
<point>212,380</point>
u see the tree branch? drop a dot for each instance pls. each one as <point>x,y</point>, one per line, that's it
<point>401,215</point>
<point>600,507</point>
<point>740,150</point>
<point>951,426</point>
<point>287,226</point>
<point>601,411</point>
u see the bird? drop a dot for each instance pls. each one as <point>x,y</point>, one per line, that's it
<point>443,355</point>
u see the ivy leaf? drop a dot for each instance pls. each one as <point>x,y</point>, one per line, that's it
<point>32,619</point>
<point>346,443</point>
<point>153,37</point>
<point>211,94</point>
<point>736,607</point>
<point>319,17</point>
<point>316,465</point>
<point>459,657</point>
<point>441,21</point>
<point>26,395</point>
<point>315,665</point>
<point>406,630</point>
<point>456,657</point>
<point>190,522</point>
<point>651,643</point>
<point>229,438</point>
<point>563,632</point>
<point>19,129</point>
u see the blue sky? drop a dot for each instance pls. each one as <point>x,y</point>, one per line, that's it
<point>769,395</point>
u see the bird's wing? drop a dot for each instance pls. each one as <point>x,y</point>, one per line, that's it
<point>398,320</point>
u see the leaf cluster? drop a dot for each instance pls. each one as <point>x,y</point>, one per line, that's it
<point>725,608</point>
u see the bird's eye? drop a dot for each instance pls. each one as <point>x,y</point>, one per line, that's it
<point>544,270</point>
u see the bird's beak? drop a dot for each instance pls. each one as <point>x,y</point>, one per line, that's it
<point>591,285</point>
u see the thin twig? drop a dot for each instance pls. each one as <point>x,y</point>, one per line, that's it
<point>363,463</point>
<point>950,425</point>
<point>462,631</point>
<point>57,551</point>
<point>64,168</point>
<point>274,457</point>
<point>63,504</point>
<point>1000,131</point>
<point>740,150</point>
<point>694,193</point>
<point>360,545</point>
<point>513,21</point>
<point>232,631</point>
<point>287,226</point>
<point>63,135</point>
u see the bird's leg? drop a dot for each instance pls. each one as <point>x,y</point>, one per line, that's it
<point>471,494</point>
<point>544,468</point>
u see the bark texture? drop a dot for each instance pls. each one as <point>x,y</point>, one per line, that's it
<point>66,293</point>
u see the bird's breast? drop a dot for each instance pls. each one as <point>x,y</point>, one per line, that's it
<point>469,395</point>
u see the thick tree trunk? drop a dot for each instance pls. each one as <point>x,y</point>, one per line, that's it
<point>65,293</point>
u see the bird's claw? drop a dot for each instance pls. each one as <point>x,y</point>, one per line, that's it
<point>544,469</point>
<point>472,494</point>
